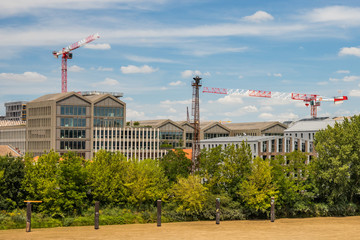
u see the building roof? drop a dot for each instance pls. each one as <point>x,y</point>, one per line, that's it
<point>52,97</point>
<point>252,125</point>
<point>239,139</point>
<point>152,123</point>
<point>6,150</point>
<point>8,123</point>
<point>311,126</point>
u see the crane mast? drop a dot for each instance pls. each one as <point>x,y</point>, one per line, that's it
<point>66,54</point>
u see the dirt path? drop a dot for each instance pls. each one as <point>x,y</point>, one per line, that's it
<point>347,228</point>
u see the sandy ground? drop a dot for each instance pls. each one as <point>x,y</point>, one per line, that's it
<point>309,228</point>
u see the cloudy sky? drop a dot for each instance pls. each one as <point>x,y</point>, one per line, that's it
<point>151,49</point>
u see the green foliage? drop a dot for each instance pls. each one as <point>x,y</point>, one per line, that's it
<point>293,180</point>
<point>176,164</point>
<point>190,195</point>
<point>257,190</point>
<point>107,177</point>
<point>145,182</point>
<point>338,164</point>
<point>59,183</point>
<point>11,177</point>
<point>224,170</point>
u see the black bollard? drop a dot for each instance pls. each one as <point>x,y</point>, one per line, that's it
<point>217,210</point>
<point>158,203</point>
<point>97,214</point>
<point>28,217</point>
<point>272,213</point>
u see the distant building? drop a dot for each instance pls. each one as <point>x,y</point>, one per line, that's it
<point>15,111</point>
<point>13,133</point>
<point>6,150</point>
<point>299,136</point>
<point>256,128</point>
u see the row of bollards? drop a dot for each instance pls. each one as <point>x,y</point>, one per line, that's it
<point>158,205</point>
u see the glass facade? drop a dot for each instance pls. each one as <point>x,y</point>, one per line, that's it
<point>100,122</point>
<point>215,135</point>
<point>108,112</point>
<point>68,145</point>
<point>72,133</point>
<point>171,135</point>
<point>73,122</point>
<point>73,110</point>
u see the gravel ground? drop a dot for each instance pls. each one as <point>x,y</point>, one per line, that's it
<point>306,228</point>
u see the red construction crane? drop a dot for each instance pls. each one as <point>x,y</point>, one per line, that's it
<point>66,54</point>
<point>313,100</point>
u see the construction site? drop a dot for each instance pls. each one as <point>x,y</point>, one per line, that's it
<point>88,121</point>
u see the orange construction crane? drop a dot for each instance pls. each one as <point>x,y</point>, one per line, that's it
<point>66,54</point>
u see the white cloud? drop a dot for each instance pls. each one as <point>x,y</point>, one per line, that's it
<point>240,77</point>
<point>207,74</point>
<point>25,77</point>
<point>343,71</point>
<point>169,102</point>
<point>266,109</point>
<point>128,99</point>
<point>148,59</point>
<point>104,69</point>
<point>259,16</point>
<point>172,110</point>
<point>163,88</point>
<point>190,73</point>
<point>351,78</point>
<point>134,115</point>
<point>277,75</point>
<point>130,69</point>
<point>336,15</point>
<point>75,68</point>
<point>177,83</point>
<point>266,116</point>
<point>354,93</point>
<point>345,79</point>
<point>279,117</point>
<point>322,83</point>
<point>98,46</point>
<point>106,82</point>
<point>242,111</point>
<point>201,51</point>
<point>350,51</point>
<point>231,99</point>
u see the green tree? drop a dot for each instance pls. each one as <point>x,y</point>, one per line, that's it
<point>190,195</point>
<point>176,164</point>
<point>145,182</point>
<point>107,177</point>
<point>11,177</point>
<point>59,182</point>
<point>338,164</point>
<point>291,175</point>
<point>210,168</point>
<point>236,167</point>
<point>256,191</point>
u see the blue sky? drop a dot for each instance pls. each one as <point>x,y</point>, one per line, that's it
<point>151,49</point>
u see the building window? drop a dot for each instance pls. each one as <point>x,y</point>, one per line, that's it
<point>73,122</point>
<point>73,110</point>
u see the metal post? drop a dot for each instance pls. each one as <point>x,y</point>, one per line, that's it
<point>28,217</point>
<point>217,210</point>
<point>272,213</point>
<point>158,203</point>
<point>97,207</point>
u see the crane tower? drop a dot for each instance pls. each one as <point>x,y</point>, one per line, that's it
<point>196,84</point>
<point>66,54</point>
